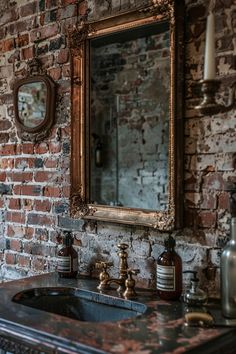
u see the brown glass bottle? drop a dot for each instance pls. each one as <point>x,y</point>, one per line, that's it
<point>169,272</point>
<point>67,258</point>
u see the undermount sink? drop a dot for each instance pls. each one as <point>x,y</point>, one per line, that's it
<point>79,304</point>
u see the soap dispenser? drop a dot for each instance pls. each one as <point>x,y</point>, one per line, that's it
<point>67,258</point>
<point>194,296</point>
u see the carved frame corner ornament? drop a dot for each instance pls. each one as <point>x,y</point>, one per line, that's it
<point>79,42</point>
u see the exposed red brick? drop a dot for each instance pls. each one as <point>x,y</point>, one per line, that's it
<point>83,7</point>
<point>207,219</point>
<point>24,162</point>
<point>14,216</point>
<point>66,70</point>
<point>6,163</point>
<point>5,124</point>
<point>29,232</point>
<point>41,148</point>
<point>54,148</point>
<point>28,148</point>
<point>38,219</point>
<point>50,163</point>
<point>9,149</point>
<point>213,181</point>
<point>63,56</point>
<point>42,205</point>
<point>15,231</point>
<point>55,73</point>
<point>27,53</point>
<point>44,32</point>
<point>10,258</point>
<point>14,204</point>
<point>33,190</point>
<point>43,176</point>
<point>22,40</point>
<point>28,9</point>
<point>27,204</point>
<point>2,203</point>
<point>23,261</point>
<point>2,176</point>
<point>7,45</point>
<point>15,245</point>
<point>224,201</point>
<point>208,201</point>
<point>52,192</point>
<point>20,176</point>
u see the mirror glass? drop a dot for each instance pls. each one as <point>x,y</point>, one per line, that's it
<point>129,117</point>
<point>32,98</point>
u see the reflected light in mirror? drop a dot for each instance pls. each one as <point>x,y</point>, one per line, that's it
<point>130,95</point>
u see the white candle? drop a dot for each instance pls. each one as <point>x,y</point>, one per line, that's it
<point>209,67</point>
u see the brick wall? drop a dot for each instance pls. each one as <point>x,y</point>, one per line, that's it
<point>35,178</point>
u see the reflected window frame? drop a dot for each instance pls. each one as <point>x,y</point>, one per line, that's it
<point>79,38</point>
<point>41,130</point>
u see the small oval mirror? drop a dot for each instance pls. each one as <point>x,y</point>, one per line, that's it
<point>32,99</point>
<point>34,103</point>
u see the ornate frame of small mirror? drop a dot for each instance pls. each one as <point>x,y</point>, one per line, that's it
<point>34,103</point>
<point>80,45</point>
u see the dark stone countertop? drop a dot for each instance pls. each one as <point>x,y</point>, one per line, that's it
<point>160,330</point>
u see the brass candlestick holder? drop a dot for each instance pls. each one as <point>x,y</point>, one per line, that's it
<point>209,106</point>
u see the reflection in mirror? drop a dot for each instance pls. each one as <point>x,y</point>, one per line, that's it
<point>130,95</point>
<point>32,99</point>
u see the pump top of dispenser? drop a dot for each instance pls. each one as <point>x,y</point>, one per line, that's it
<point>169,243</point>
<point>68,239</point>
<point>194,296</point>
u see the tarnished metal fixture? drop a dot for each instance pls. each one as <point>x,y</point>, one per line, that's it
<point>125,282</point>
<point>209,105</point>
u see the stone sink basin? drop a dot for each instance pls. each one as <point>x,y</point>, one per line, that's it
<point>79,304</point>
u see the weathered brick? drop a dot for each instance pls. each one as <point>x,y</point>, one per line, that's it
<point>14,204</point>
<point>55,73</point>
<point>22,40</point>
<point>42,205</point>
<point>41,148</point>
<point>38,219</point>
<point>17,217</point>
<point>52,192</point>
<point>10,258</point>
<point>28,148</point>
<point>33,190</point>
<point>20,176</point>
<point>28,9</point>
<point>23,261</point>
<point>213,181</point>
<point>63,56</point>
<point>15,245</point>
<point>44,32</point>
<point>207,219</point>
<point>27,53</point>
<point>2,176</point>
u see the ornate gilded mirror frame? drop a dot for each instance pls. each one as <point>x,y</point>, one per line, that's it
<point>170,218</point>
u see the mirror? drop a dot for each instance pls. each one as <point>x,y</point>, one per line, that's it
<point>34,105</point>
<point>127,136</point>
<point>32,99</point>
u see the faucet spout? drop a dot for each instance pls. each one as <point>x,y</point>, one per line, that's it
<point>105,284</point>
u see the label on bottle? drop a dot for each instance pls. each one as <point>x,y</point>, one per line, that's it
<point>75,264</point>
<point>165,278</point>
<point>64,264</point>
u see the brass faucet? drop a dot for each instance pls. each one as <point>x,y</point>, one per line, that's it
<point>106,281</point>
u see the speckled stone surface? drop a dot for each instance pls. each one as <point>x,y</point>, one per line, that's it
<point>160,330</point>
